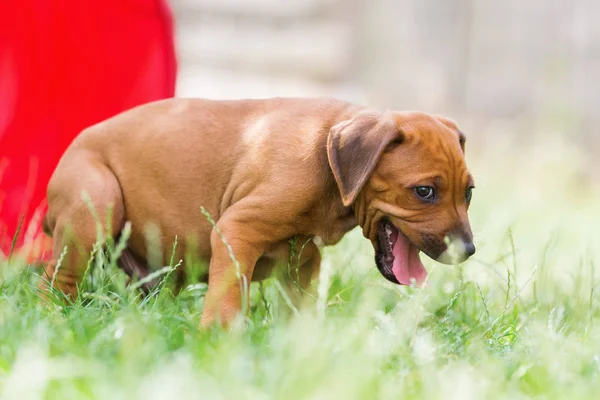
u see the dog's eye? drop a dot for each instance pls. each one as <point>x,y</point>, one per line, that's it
<point>468,194</point>
<point>426,193</point>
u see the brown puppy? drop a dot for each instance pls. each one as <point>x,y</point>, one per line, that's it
<point>266,171</point>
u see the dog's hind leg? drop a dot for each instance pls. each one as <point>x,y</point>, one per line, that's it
<point>82,194</point>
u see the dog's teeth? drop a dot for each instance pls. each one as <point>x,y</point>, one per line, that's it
<point>388,231</point>
<point>388,236</point>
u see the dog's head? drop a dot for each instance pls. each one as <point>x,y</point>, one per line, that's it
<point>406,177</point>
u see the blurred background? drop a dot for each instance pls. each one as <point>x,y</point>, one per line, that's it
<point>526,68</point>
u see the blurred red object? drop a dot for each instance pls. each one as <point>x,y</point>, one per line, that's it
<point>66,65</point>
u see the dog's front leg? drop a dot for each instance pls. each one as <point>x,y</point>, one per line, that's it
<point>236,247</point>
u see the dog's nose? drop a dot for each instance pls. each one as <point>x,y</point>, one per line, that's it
<point>457,251</point>
<point>469,249</point>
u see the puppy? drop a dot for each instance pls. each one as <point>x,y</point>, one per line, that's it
<point>265,171</point>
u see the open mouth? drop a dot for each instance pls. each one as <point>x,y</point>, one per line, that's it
<point>398,259</point>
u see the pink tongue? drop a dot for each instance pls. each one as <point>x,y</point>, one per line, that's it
<point>407,263</point>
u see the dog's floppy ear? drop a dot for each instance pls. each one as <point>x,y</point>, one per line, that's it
<point>354,147</point>
<point>462,140</point>
<point>452,125</point>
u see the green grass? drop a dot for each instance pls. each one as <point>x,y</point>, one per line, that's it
<point>520,319</point>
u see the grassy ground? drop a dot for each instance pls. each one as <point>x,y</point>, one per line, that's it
<point>520,319</point>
